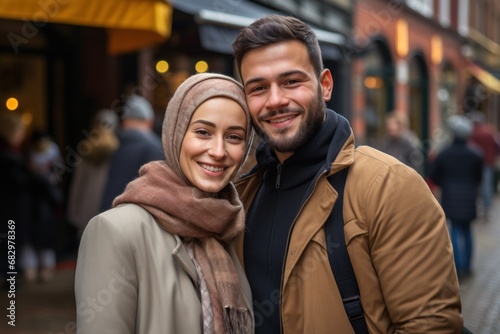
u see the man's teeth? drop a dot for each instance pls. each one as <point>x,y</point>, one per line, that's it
<point>281,120</point>
<point>212,168</point>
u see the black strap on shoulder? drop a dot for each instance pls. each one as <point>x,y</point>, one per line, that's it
<point>339,258</point>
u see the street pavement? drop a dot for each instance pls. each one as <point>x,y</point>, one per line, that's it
<point>49,308</point>
<point>481,292</point>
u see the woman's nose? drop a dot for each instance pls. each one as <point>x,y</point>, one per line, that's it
<point>217,148</point>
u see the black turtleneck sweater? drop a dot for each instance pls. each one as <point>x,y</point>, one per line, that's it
<point>270,219</point>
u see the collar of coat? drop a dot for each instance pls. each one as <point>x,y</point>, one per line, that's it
<point>314,158</point>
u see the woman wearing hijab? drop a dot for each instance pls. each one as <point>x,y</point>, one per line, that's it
<point>161,260</point>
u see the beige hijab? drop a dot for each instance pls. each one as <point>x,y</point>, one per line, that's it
<point>188,97</point>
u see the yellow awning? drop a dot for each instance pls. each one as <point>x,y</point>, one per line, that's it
<point>489,81</point>
<point>132,24</point>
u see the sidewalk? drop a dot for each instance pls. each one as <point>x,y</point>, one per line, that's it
<point>49,308</point>
<point>481,292</point>
<point>42,308</point>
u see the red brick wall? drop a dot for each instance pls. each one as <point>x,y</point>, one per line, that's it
<point>373,18</point>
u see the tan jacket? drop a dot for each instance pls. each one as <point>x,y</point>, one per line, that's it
<point>398,243</point>
<point>133,277</point>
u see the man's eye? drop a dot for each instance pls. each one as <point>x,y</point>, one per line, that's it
<point>256,89</point>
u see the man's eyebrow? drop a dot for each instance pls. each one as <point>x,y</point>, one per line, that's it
<point>253,80</point>
<point>292,72</point>
<point>281,75</point>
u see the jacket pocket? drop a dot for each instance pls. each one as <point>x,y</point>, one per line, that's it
<point>352,229</point>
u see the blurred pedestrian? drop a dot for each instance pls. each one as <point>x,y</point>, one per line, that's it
<point>487,139</point>
<point>39,254</point>
<point>164,253</point>
<point>22,195</point>
<point>139,144</point>
<point>457,170</point>
<point>15,192</point>
<point>90,176</point>
<point>401,142</point>
<point>44,155</point>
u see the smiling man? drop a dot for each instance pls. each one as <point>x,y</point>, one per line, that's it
<point>394,228</point>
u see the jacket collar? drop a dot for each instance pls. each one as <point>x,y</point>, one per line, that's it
<point>332,145</point>
<point>180,253</point>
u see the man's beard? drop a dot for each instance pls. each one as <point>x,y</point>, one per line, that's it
<point>307,128</point>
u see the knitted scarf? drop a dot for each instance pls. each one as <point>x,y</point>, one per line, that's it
<point>210,223</point>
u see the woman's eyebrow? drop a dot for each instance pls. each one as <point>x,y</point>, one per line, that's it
<point>202,121</point>
<point>233,127</point>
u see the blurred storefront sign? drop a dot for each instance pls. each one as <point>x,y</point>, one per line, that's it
<point>220,21</point>
<point>131,24</point>
<point>488,79</point>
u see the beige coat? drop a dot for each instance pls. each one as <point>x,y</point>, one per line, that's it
<point>398,243</point>
<point>133,277</point>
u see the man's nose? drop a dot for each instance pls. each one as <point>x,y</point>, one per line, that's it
<point>277,97</point>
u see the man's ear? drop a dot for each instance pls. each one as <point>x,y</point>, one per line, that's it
<point>326,82</point>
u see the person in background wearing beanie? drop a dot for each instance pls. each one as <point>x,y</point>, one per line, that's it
<point>162,258</point>
<point>457,170</point>
<point>139,144</point>
<point>394,228</point>
<point>485,137</point>
<point>91,174</point>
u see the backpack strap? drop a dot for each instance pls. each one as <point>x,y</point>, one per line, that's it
<point>339,258</point>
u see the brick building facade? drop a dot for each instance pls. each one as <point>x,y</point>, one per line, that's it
<point>409,61</point>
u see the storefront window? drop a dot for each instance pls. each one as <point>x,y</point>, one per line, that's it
<point>22,84</point>
<point>447,93</point>
<point>378,91</point>
<point>418,96</point>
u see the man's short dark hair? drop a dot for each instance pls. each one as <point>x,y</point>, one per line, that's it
<point>273,29</point>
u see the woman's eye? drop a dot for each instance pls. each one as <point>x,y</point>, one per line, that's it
<point>235,138</point>
<point>202,132</point>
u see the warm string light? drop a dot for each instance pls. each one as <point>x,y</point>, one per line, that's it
<point>402,39</point>
<point>12,103</point>
<point>436,49</point>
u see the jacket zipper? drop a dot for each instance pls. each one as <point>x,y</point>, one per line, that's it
<point>278,175</point>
